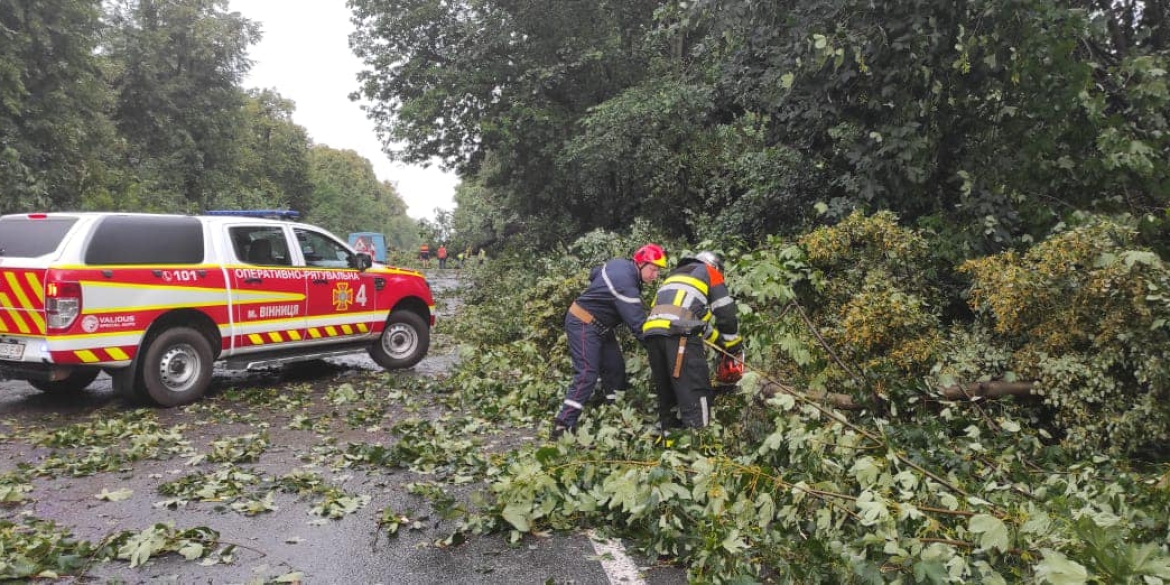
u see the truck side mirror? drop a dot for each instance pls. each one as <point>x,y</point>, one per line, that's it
<point>363,261</point>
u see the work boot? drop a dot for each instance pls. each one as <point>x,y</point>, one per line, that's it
<point>558,429</point>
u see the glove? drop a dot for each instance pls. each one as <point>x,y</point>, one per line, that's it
<point>732,345</point>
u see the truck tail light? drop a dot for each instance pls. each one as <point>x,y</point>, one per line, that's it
<point>62,304</point>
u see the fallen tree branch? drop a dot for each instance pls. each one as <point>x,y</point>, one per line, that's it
<point>972,391</point>
<point>976,390</point>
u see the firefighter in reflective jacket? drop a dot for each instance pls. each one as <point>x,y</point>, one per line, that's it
<point>679,322</point>
<point>612,297</point>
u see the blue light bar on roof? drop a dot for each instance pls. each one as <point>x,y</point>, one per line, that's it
<point>287,214</point>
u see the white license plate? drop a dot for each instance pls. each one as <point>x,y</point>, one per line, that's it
<point>11,351</point>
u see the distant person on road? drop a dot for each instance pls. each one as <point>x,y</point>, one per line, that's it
<point>679,323</point>
<point>612,297</point>
<point>424,255</point>
<point>442,255</point>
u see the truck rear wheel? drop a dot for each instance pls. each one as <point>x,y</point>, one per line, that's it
<point>176,367</point>
<point>77,381</point>
<point>403,343</point>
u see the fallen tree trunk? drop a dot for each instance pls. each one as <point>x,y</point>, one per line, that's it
<point>972,391</point>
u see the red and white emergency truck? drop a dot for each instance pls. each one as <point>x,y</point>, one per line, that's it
<point>155,300</point>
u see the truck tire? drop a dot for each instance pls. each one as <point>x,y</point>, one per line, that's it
<point>403,343</point>
<point>77,381</point>
<point>176,367</point>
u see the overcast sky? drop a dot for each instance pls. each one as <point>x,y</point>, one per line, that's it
<point>305,57</point>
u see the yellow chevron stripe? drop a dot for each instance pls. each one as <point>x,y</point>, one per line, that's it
<point>294,335</point>
<point>33,313</point>
<point>314,333</point>
<point>347,329</point>
<point>275,336</point>
<point>36,286</point>
<point>86,356</point>
<point>331,330</point>
<point>14,313</point>
<point>117,353</point>
<point>363,328</point>
<point>255,338</point>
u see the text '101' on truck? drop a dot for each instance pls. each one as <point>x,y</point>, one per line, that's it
<point>155,300</point>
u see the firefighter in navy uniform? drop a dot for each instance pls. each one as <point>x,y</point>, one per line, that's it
<point>612,297</point>
<point>674,332</point>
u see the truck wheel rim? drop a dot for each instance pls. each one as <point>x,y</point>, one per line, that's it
<point>179,368</point>
<point>399,341</point>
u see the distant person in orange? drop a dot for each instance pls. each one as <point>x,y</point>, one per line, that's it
<point>442,255</point>
<point>424,255</point>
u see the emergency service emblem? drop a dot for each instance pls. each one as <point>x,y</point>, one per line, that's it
<point>342,296</point>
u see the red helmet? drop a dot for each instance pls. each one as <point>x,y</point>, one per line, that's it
<point>650,254</point>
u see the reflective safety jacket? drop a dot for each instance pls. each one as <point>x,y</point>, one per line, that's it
<point>614,295</point>
<point>686,301</point>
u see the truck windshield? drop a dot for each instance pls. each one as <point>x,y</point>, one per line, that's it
<point>24,237</point>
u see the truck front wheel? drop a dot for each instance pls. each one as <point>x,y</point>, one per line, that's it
<point>176,367</point>
<point>403,343</point>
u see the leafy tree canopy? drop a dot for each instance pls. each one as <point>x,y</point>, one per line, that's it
<point>989,121</point>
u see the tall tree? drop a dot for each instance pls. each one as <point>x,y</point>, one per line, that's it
<point>177,69</point>
<point>273,155</point>
<point>52,96</point>
<point>347,196</point>
<point>496,86</point>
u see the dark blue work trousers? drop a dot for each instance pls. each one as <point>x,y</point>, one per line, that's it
<point>596,354</point>
<point>690,393</point>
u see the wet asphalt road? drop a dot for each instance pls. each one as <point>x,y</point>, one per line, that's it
<point>288,540</point>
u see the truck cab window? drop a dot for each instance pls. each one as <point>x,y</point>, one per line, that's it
<point>324,252</point>
<point>260,245</point>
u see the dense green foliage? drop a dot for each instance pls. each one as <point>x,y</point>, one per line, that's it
<point>911,487</point>
<point>53,100</point>
<point>137,105</point>
<point>988,121</point>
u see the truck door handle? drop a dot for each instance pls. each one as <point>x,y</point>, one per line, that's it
<point>253,280</point>
<point>320,281</point>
